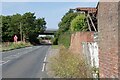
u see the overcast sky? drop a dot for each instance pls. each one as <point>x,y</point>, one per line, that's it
<point>51,11</point>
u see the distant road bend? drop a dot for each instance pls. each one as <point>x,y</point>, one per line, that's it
<point>25,62</point>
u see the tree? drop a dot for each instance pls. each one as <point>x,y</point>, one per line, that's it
<point>79,23</point>
<point>6,33</point>
<point>15,24</point>
<point>40,25</point>
<point>70,11</point>
<point>10,26</point>
<point>64,25</point>
<point>0,28</point>
<point>26,25</point>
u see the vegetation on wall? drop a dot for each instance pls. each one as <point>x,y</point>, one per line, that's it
<point>79,23</point>
<point>64,25</point>
<point>64,39</point>
<point>70,22</point>
<point>63,34</point>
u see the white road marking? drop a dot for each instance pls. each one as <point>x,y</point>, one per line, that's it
<point>6,62</point>
<point>1,62</point>
<point>43,68</point>
<point>16,56</point>
<point>45,59</point>
<point>44,63</point>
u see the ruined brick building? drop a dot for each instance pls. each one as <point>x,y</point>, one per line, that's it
<point>109,39</point>
<point>108,27</point>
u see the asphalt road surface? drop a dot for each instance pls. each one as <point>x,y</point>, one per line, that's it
<point>24,63</point>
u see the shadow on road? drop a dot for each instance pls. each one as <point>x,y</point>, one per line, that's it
<point>43,44</point>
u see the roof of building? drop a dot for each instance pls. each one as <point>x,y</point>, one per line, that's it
<point>88,9</point>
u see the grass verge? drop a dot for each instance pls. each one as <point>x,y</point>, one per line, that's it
<point>68,65</point>
<point>11,45</point>
<point>55,46</point>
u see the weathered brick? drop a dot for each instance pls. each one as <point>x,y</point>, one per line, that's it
<point>108,39</point>
<point>77,39</point>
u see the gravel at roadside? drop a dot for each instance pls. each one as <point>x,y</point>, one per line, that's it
<point>52,52</point>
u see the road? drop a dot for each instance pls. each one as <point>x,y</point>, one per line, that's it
<point>25,63</point>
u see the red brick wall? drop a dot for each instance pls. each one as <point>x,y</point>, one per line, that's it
<point>119,39</point>
<point>108,39</point>
<point>77,39</point>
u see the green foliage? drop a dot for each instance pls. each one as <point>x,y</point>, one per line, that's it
<point>55,46</point>
<point>14,24</point>
<point>64,25</point>
<point>10,45</point>
<point>33,38</point>
<point>71,21</point>
<point>64,39</point>
<point>40,25</point>
<point>79,23</point>
<point>27,23</point>
<point>49,37</point>
<point>63,35</point>
<point>6,32</point>
<point>69,65</point>
<point>55,41</point>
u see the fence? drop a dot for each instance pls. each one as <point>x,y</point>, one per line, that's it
<point>90,51</point>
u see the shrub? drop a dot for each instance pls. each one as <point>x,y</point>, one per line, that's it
<point>79,23</point>
<point>13,45</point>
<point>69,65</point>
<point>64,39</point>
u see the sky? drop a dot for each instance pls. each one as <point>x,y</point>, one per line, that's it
<point>51,11</point>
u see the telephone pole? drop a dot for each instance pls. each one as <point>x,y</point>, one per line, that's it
<point>21,31</point>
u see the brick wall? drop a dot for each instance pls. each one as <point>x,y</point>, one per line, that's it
<point>119,39</point>
<point>108,39</point>
<point>77,39</point>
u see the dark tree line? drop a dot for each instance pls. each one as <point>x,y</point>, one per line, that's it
<point>27,27</point>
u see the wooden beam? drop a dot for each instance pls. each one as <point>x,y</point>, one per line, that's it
<point>92,22</point>
<point>88,24</point>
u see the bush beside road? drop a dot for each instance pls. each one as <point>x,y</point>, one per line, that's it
<point>6,46</point>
